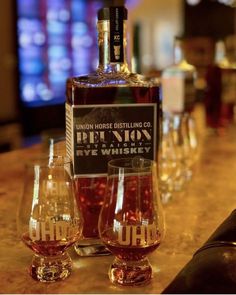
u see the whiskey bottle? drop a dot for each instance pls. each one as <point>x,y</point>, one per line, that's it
<point>221,90</point>
<point>228,84</point>
<point>111,113</point>
<point>178,82</point>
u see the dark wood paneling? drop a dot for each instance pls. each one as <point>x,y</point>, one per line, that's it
<point>209,18</point>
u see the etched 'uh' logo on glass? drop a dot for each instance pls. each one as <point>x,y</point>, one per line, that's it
<point>51,230</point>
<point>137,235</point>
<point>44,225</point>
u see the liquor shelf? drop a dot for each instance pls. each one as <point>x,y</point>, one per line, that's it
<point>191,217</point>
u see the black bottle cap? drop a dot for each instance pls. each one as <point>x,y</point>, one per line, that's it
<point>108,3</point>
<point>105,12</point>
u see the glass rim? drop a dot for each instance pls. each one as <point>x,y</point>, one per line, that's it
<point>112,163</point>
<point>48,161</point>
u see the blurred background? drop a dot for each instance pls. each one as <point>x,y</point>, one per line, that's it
<point>45,41</point>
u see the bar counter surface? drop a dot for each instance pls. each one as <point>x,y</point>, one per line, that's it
<point>191,217</point>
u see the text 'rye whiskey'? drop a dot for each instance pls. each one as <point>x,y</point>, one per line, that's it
<point>111,113</point>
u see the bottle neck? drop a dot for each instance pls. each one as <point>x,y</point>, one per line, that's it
<point>178,51</point>
<point>112,57</point>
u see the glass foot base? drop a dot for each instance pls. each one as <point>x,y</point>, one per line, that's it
<point>51,269</point>
<point>130,273</point>
<point>91,247</point>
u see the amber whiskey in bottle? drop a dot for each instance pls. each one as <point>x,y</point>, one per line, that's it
<point>221,91</point>
<point>111,113</point>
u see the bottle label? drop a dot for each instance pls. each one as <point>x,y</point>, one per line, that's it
<point>96,134</point>
<point>116,34</point>
<point>178,94</point>
<point>173,94</point>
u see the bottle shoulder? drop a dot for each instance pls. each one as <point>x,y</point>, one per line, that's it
<point>225,64</point>
<point>182,70</point>
<point>112,80</point>
<point>180,67</point>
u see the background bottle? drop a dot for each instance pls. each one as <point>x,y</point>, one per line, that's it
<point>178,81</point>
<point>221,90</point>
<point>228,82</point>
<point>111,113</point>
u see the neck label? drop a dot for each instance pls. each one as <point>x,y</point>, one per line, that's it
<point>116,34</point>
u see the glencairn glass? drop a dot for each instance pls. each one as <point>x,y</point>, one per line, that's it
<point>186,152</point>
<point>131,222</point>
<point>170,167</point>
<point>48,220</point>
<point>193,136</point>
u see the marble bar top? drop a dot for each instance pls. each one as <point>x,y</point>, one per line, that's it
<point>191,217</point>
